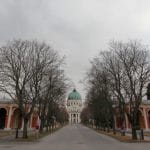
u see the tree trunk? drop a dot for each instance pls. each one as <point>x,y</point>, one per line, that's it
<point>114,129</point>
<point>47,128</point>
<point>18,126</point>
<point>16,136</point>
<point>42,124</point>
<point>25,128</point>
<point>135,124</point>
<point>108,126</point>
<point>134,135</point>
<point>47,124</point>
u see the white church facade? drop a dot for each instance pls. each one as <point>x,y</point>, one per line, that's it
<point>74,106</point>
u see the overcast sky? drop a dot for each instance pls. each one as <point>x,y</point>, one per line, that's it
<point>78,29</point>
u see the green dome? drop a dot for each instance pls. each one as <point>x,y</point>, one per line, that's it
<point>74,95</point>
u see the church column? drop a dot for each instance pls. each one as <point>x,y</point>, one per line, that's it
<point>79,117</point>
<point>76,118</point>
<point>70,118</point>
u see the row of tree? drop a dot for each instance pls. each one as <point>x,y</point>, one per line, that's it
<point>32,74</point>
<point>118,77</point>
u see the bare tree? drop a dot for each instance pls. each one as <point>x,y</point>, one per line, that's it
<point>25,66</point>
<point>53,91</point>
<point>15,71</point>
<point>99,95</point>
<point>134,58</point>
<point>113,66</point>
<point>41,59</point>
<point>126,71</point>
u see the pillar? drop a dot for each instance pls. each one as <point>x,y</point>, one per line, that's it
<point>30,122</point>
<point>38,121</point>
<point>145,119</point>
<point>9,117</point>
<point>126,122</point>
<point>71,117</point>
<point>79,118</point>
<point>115,120</point>
<point>76,118</point>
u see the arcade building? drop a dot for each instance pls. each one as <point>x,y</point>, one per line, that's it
<point>144,117</point>
<point>9,116</point>
<point>9,112</point>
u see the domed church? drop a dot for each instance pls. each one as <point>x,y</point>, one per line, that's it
<point>74,106</point>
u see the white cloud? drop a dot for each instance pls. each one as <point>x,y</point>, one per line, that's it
<point>77,28</point>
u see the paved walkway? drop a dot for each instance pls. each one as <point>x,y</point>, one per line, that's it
<point>76,137</point>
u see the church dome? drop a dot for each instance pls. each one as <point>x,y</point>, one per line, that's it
<point>74,95</point>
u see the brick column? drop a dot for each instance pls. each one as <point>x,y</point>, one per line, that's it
<point>115,120</point>
<point>30,122</point>
<point>126,121</point>
<point>145,119</point>
<point>9,117</point>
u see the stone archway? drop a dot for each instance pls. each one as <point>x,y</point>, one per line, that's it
<point>34,121</point>
<point>118,122</point>
<point>16,121</point>
<point>141,119</point>
<point>3,113</point>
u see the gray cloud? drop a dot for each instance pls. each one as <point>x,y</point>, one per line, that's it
<point>76,28</point>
